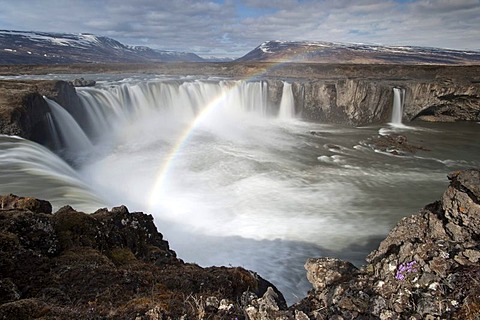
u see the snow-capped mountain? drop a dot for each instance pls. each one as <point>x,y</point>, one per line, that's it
<point>328,52</point>
<point>20,47</point>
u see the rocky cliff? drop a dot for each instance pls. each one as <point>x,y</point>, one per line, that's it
<point>367,101</point>
<point>442,101</point>
<point>107,265</point>
<point>23,109</point>
<point>116,265</point>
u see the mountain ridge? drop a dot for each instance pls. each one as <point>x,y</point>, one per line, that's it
<point>331,52</point>
<point>33,47</point>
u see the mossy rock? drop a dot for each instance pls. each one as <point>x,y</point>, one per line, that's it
<point>122,256</point>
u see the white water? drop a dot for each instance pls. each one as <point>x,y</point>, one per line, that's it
<point>245,187</point>
<point>69,133</point>
<point>398,103</point>
<point>29,169</point>
<point>287,104</point>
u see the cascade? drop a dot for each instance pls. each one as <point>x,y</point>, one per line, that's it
<point>70,134</point>
<point>398,103</point>
<point>110,108</point>
<point>57,145</point>
<point>287,104</point>
<point>30,169</point>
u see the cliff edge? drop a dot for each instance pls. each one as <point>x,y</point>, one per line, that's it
<point>107,265</point>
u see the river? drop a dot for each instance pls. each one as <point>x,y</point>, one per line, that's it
<point>229,179</point>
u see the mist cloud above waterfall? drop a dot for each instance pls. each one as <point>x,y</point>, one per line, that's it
<point>232,28</point>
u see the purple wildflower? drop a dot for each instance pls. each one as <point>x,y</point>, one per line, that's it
<point>404,268</point>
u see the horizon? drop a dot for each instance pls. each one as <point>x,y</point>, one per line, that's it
<point>230,29</point>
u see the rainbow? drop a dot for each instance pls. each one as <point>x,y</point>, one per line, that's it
<point>156,194</point>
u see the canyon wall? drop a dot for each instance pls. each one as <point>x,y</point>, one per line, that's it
<point>343,101</point>
<point>363,102</point>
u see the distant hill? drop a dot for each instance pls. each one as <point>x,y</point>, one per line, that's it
<point>328,52</point>
<point>20,47</point>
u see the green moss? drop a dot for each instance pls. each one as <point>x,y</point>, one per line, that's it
<point>122,256</point>
<point>75,229</point>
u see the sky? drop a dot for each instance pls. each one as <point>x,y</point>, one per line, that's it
<point>231,28</point>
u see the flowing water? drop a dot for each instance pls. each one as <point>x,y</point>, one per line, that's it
<point>232,180</point>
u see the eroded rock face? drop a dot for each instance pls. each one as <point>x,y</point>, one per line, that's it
<point>112,264</point>
<point>23,110</point>
<point>442,101</point>
<point>352,102</point>
<point>367,101</point>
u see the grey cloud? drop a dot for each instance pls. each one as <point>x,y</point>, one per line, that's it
<point>210,28</point>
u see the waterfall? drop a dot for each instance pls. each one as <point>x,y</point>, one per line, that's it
<point>287,104</point>
<point>398,102</point>
<point>56,143</point>
<point>110,108</point>
<point>29,169</point>
<point>68,131</point>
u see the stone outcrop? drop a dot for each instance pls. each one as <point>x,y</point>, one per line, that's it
<point>428,267</point>
<point>442,101</point>
<point>81,82</point>
<point>107,265</point>
<point>23,110</point>
<point>396,144</point>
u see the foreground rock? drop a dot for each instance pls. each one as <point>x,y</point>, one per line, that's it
<point>107,265</point>
<point>428,267</point>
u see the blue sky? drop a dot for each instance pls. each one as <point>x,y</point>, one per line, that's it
<point>231,28</point>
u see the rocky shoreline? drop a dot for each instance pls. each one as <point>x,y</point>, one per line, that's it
<point>115,265</point>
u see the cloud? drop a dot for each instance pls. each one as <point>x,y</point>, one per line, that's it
<point>227,27</point>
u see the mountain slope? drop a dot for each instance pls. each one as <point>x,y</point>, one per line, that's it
<point>328,52</point>
<point>18,47</point>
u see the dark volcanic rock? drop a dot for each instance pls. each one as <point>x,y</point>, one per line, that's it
<point>23,110</point>
<point>110,265</point>
<point>395,144</point>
